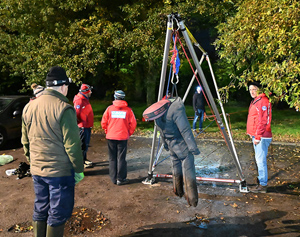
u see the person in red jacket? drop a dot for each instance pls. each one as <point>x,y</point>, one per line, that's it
<point>119,123</point>
<point>259,129</point>
<point>85,119</point>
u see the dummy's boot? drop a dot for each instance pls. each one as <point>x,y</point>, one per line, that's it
<point>39,228</point>
<point>189,178</point>
<point>56,231</point>
<point>191,191</point>
<point>178,185</point>
<point>177,177</point>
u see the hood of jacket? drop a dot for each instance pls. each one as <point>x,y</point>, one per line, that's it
<point>120,103</point>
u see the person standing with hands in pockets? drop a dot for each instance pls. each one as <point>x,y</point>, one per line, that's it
<point>52,145</point>
<point>119,123</point>
<point>199,108</point>
<point>85,119</point>
<point>259,129</point>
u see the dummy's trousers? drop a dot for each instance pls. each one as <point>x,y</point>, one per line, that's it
<point>184,173</point>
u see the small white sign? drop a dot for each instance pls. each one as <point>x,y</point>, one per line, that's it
<point>118,114</point>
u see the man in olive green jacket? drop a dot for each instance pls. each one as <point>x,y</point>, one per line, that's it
<point>52,145</point>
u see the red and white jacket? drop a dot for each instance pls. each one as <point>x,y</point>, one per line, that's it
<point>118,121</point>
<point>259,117</point>
<point>84,111</point>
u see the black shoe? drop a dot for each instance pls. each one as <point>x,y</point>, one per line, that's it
<point>122,182</point>
<point>259,189</point>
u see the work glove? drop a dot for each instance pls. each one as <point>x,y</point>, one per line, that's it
<point>78,177</point>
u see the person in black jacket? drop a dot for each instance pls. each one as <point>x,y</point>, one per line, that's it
<point>199,108</point>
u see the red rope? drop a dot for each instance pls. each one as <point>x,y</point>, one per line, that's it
<point>174,51</point>
<point>195,75</point>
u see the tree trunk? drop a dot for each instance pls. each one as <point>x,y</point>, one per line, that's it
<point>152,82</point>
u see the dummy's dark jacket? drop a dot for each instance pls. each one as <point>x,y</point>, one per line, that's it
<point>175,128</point>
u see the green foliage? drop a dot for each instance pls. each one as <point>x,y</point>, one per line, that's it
<point>114,44</point>
<point>261,42</point>
<point>119,44</point>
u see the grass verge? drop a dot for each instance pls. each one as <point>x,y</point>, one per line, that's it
<point>285,123</point>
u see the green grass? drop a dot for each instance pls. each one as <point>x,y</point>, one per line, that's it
<point>285,123</point>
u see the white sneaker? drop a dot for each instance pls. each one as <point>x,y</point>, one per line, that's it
<point>88,164</point>
<point>122,182</point>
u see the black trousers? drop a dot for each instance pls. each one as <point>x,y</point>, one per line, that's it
<point>117,150</point>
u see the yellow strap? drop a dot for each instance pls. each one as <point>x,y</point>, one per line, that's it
<point>195,41</point>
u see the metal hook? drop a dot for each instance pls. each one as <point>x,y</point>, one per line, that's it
<point>177,78</point>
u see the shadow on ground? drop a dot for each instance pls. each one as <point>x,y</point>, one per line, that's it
<point>248,226</point>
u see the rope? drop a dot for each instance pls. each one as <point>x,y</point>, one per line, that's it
<point>195,75</point>
<point>175,61</point>
<point>156,164</point>
<point>175,58</point>
<point>200,85</point>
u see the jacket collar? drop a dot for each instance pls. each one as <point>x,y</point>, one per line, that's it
<point>259,97</point>
<point>120,103</point>
<point>56,94</point>
<point>83,95</point>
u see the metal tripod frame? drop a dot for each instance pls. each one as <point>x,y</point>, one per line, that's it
<point>229,141</point>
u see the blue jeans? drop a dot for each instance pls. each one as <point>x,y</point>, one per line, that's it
<point>201,114</point>
<point>54,199</point>
<point>261,151</point>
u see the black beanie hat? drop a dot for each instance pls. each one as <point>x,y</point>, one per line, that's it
<point>254,83</point>
<point>57,77</point>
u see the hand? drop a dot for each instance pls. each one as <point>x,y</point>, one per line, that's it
<point>256,142</point>
<point>166,146</point>
<point>78,177</point>
<point>196,152</point>
<point>197,113</point>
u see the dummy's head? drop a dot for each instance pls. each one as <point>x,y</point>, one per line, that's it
<point>156,110</point>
